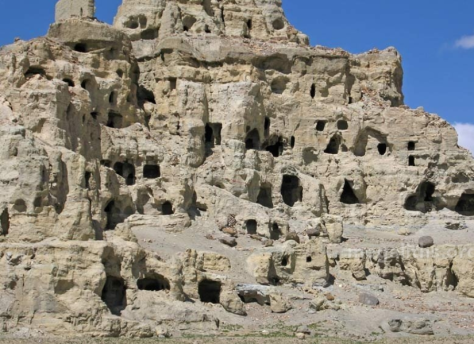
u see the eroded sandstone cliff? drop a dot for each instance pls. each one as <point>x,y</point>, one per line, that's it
<point>216,116</point>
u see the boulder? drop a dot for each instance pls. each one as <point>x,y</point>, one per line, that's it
<point>425,242</point>
<point>368,299</point>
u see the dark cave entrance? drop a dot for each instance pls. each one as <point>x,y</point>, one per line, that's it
<point>276,149</point>
<point>210,291</point>
<point>333,145</point>
<point>114,295</point>
<point>115,215</point>
<point>265,196</point>
<point>382,148</point>
<point>125,170</point>
<point>321,125</point>
<point>156,283</point>
<point>151,171</point>
<point>114,120</point>
<point>275,232</point>
<point>5,221</point>
<point>252,141</point>
<point>291,190</point>
<point>167,208</point>
<point>348,196</point>
<point>465,205</point>
<point>342,125</point>
<point>423,200</point>
<point>251,226</point>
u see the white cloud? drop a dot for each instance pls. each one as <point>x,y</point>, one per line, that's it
<point>466,135</point>
<point>465,42</point>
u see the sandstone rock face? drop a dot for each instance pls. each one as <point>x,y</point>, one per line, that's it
<point>291,263</point>
<point>184,112</point>
<point>66,9</point>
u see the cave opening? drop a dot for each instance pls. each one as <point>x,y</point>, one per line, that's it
<point>312,91</point>
<point>291,190</point>
<point>465,205</point>
<point>348,196</point>
<point>114,120</point>
<point>333,145</point>
<point>5,222</point>
<point>276,149</point>
<point>264,197</point>
<point>114,294</point>
<point>252,141</point>
<point>157,283</point>
<point>167,208</point>
<point>382,148</point>
<point>342,125</point>
<point>251,226</point>
<point>151,171</point>
<point>321,125</point>
<point>125,170</point>
<point>275,232</point>
<point>210,291</point>
<point>423,200</point>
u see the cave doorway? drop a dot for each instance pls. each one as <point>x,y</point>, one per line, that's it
<point>210,291</point>
<point>114,295</point>
<point>251,226</point>
<point>252,140</point>
<point>265,196</point>
<point>291,190</point>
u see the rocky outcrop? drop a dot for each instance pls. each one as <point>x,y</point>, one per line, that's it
<point>291,263</point>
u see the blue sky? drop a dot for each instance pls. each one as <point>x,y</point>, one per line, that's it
<point>435,38</point>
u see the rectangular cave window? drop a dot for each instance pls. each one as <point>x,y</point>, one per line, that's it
<point>212,135</point>
<point>267,126</point>
<point>265,196</point>
<point>114,120</point>
<point>87,178</point>
<point>291,190</point>
<point>173,83</point>
<point>275,232</point>
<point>5,222</point>
<point>114,294</point>
<point>252,141</point>
<point>411,146</point>
<point>321,125</point>
<point>210,291</point>
<point>342,125</point>
<point>411,160</point>
<point>251,226</point>
<point>151,171</point>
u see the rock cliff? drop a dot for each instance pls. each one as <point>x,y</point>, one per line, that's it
<point>127,149</point>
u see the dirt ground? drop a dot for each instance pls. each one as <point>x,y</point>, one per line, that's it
<point>244,340</point>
